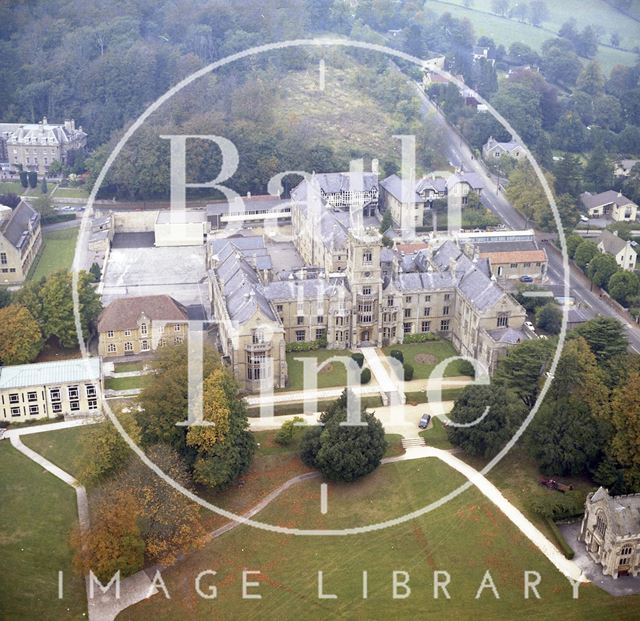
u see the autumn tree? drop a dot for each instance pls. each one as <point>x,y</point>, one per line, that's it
<point>105,451</point>
<point>20,337</point>
<point>224,449</point>
<point>625,444</point>
<point>165,398</point>
<point>113,542</point>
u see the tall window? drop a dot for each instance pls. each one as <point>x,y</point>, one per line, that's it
<point>503,320</point>
<point>143,328</point>
<point>444,325</point>
<point>426,326</point>
<point>601,525</point>
<point>300,335</point>
<point>128,346</point>
<point>427,311</point>
<point>445,310</point>
<point>3,258</point>
<point>367,256</point>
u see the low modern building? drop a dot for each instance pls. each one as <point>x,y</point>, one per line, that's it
<point>611,532</point>
<point>35,146</point>
<point>624,251</point>
<point>20,242</point>
<point>187,227</point>
<point>50,389</point>
<point>249,211</point>
<point>609,204</point>
<point>137,325</point>
<point>494,150</point>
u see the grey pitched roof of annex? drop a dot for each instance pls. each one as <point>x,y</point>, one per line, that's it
<point>16,228</point>
<point>241,287</point>
<point>613,244</point>
<point>604,198</point>
<point>393,185</point>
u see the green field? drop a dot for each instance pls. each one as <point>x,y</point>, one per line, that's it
<point>283,409</point>
<point>124,383</point>
<point>586,12</point>
<point>465,537</point>
<point>334,374</point>
<point>37,513</point>
<point>429,355</point>
<point>12,187</point>
<point>62,447</point>
<point>57,253</point>
<point>436,435</point>
<point>70,193</point>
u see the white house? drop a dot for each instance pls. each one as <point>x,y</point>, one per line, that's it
<point>495,150</point>
<point>623,251</point>
<point>610,204</point>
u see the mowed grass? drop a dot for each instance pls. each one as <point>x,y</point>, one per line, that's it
<point>57,252</point>
<point>125,383</point>
<point>37,512</point>
<point>466,537</point>
<point>71,193</point>
<point>436,435</point>
<point>586,12</point>
<point>126,367</point>
<point>12,187</point>
<point>429,355</point>
<point>63,447</point>
<point>333,374</point>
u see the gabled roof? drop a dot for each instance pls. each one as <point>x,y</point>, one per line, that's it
<point>590,201</point>
<point>16,228</point>
<point>472,178</point>
<point>613,244</point>
<point>123,313</point>
<point>334,183</point>
<point>48,373</point>
<point>517,256</point>
<point>45,134</point>
<point>393,185</point>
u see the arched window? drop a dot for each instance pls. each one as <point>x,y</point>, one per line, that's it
<point>601,524</point>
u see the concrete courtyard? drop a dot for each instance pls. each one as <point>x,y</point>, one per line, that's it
<point>176,271</point>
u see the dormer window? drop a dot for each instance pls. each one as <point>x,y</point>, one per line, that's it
<point>143,328</point>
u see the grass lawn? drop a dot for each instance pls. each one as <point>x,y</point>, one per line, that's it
<point>127,367</point>
<point>282,409</point>
<point>12,187</point>
<point>429,355</point>
<point>62,447</point>
<point>37,513</point>
<point>57,252</point>
<point>436,435</point>
<point>465,537</point>
<point>334,374</point>
<point>124,383</point>
<point>70,193</point>
<point>417,397</point>
<point>508,31</point>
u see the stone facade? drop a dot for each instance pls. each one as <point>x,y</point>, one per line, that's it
<point>610,531</point>
<point>131,326</point>
<point>20,242</point>
<point>35,146</point>
<point>353,293</point>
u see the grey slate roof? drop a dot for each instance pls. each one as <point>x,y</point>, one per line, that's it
<point>16,228</point>
<point>472,281</point>
<point>312,288</point>
<point>393,185</point>
<point>507,335</point>
<point>473,179</point>
<point>612,243</point>
<point>50,373</point>
<point>424,281</point>
<point>243,292</point>
<point>604,198</point>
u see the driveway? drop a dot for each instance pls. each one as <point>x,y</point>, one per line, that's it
<point>625,585</point>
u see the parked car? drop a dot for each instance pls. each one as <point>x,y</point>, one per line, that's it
<point>526,278</point>
<point>584,218</point>
<point>551,484</point>
<point>424,421</point>
<point>529,326</point>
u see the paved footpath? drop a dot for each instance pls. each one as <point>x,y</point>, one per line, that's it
<point>102,607</point>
